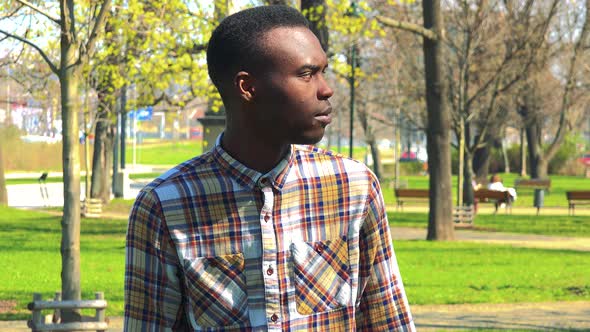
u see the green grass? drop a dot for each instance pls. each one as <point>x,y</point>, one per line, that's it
<point>578,226</point>
<point>166,153</point>
<point>434,273</point>
<point>452,273</point>
<point>30,255</point>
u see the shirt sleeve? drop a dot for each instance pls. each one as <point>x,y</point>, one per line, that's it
<point>153,295</point>
<point>383,304</point>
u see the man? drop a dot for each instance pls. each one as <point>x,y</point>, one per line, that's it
<point>260,234</point>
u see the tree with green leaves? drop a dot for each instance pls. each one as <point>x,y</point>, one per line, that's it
<point>77,43</point>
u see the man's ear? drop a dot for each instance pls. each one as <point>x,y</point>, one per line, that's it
<point>244,84</point>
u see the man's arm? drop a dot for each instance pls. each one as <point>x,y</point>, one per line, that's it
<point>153,297</point>
<point>383,303</point>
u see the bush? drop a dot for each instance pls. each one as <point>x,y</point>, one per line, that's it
<point>406,168</point>
<point>566,152</point>
<point>564,162</point>
<point>23,156</point>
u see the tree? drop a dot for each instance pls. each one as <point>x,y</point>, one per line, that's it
<point>492,46</point>
<point>572,49</point>
<point>315,11</point>
<point>440,223</point>
<point>155,56</point>
<point>75,51</point>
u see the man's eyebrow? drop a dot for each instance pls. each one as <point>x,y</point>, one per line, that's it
<point>310,67</point>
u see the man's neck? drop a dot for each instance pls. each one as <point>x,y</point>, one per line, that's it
<point>254,152</point>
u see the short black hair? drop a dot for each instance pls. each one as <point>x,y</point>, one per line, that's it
<point>235,43</point>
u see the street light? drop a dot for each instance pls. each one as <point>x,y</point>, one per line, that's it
<point>352,12</point>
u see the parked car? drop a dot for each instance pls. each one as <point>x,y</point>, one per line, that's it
<point>585,159</point>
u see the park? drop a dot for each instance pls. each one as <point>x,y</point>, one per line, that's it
<point>438,99</point>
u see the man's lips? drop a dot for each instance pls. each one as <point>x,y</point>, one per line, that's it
<point>325,117</point>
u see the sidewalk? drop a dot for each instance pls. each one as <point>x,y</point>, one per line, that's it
<point>544,316</point>
<point>516,240</point>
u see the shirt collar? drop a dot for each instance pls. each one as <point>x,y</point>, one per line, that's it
<point>249,177</point>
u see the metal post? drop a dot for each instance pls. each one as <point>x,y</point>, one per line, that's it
<point>352,82</point>
<point>352,13</point>
<point>461,162</point>
<point>123,119</point>
<point>116,153</point>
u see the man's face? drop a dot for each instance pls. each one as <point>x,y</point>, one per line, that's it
<point>291,102</point>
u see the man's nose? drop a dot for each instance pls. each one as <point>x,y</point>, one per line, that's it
<point>324,89</point>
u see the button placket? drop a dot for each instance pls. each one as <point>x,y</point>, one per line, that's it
<point>269,254</point>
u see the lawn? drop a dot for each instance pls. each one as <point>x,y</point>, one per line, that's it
<point>434,273</point>
<point>562,225</point>
<point>455,272</point>
<point>29,251</point>
<point>165,153</point>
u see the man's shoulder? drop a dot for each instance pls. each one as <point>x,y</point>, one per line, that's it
<point>199,166</point>
<point>309,154</point>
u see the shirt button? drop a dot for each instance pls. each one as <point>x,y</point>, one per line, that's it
<point>274,318</point>
<point>318,248</point>
<point>266,217</point>
<point>269,271</point>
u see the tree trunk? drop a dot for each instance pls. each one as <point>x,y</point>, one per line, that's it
<point>3,191</point>
<point>317,18</point>
<point>481,162</point>
<point>533,133</point>
<point>522,153</point>
<point>103,146</point>
<point>70,241</point>
<point>467,179</point>
<point>376,157</point>
<point>440,222</point>
<point>505,156</point>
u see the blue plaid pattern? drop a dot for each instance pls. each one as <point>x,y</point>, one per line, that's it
<point>215,246</point>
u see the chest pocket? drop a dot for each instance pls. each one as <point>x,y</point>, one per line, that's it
<point>217,290</point>
<point>321,274</point>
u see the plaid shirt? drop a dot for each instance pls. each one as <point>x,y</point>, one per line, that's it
<point>215,246</point>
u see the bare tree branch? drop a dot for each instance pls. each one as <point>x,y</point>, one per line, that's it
<point>98,23</point>
<point>407,26</point>
<point>40,11</point>
<point>28,42</point>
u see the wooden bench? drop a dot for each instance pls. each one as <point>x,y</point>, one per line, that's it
<point>544,184</point>
<point>405,195</point>
<point>576,198</point>
<point>494,196</point>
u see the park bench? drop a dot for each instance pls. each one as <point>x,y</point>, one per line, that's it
<point>403,195</point>
<point>494,196</point>
<point>52,322</point>
<point>576,198</point>
<point>544,184</point>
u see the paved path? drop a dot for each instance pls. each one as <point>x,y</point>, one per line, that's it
<point>517,240</point>
<point>545,316</point>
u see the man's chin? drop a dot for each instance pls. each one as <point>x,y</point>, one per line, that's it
<point>311,139</point>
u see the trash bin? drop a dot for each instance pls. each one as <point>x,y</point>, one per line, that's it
<point>539,200</point>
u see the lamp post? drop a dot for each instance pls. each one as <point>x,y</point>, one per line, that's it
<point>352,13</point>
